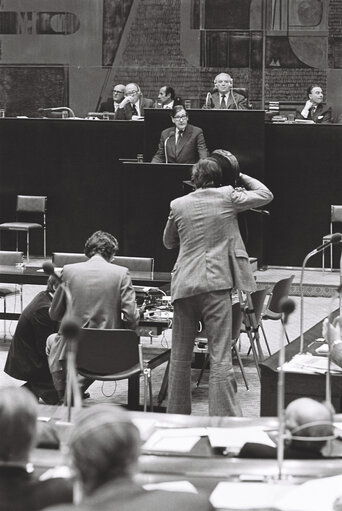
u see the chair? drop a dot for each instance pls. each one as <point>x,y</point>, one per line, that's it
<point>145,264</point>
<point>273,309</point>
<point>236,326</point>
<point>28,204</point>
<point>111,355</point>
<point>244,92</point>
<point>10,258</point>
<point>60,259</point>
<point>335,217</point>
<point>252,308</point>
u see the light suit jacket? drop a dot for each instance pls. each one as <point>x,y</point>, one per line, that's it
<point>240,102</point>
<point>100,292</point>
<point>212,255</point>
<point>189,149</point>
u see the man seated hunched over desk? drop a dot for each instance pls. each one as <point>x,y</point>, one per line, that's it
<point>101,293</point>
<point>305,418</point>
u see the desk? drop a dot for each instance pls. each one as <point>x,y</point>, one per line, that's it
<point>296,384</point>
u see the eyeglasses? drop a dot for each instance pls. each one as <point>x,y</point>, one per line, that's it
<point>117,91</point>
<point>181,117</point>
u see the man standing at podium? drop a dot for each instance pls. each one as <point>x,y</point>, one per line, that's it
<point>212,260</point>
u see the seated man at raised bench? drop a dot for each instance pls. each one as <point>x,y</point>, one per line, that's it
<point>133,104</point>
<point>26,359</point>
<point>104,448</point>
<point>314,110</point>
<point>309,425</point>
<point>20,488</point>
<point>112,104</point>
<point>102,297</point>
<point>224,97</point>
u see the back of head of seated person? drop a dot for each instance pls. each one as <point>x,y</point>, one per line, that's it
<point>103,244</point>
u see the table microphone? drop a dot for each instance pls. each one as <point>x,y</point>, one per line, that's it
<point>335,238</point>
<point>287,306</point>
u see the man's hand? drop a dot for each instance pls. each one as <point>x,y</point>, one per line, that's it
<point>331,331</point>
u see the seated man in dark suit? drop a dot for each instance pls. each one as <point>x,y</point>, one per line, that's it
<point>20,488</point>
<point>26,359</point>
<point>104,446</point>
<point>183,143</point>
<point>167,97</point>
<point>314,110</point>
<point>224,97</point>
<point>112,104</point>
<point>133,104</point>
<point>309,425</point>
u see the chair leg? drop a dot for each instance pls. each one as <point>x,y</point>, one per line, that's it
<point>287,337</point>
<point>204,366</point>
<point>27,246</point>
<point>242,369</point>
<point>265,338</point>
<point>5,310</point>
<point>21,293</point>
<point>150,392</point>
<point>44,241</point>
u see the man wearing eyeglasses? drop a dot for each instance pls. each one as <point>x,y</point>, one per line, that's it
<point>112,104</point>
<point>183,143</point>
<point>133,104</point>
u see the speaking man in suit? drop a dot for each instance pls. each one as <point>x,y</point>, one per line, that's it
<point>182,143</point>
<point>212,260</point>
<point>224,97</point>
<point>102,294</point>
<point>112,104</point>
<point>133,104</point>
<point>314,110</point>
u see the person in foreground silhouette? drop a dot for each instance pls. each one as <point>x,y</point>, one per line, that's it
<point>104,447</point>
<point>306,418</point>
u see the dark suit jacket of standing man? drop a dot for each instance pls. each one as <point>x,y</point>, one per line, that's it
<point>26,359</point>
<point>240,102</point>
<point>101,292</point>
<point>126,113</point>
<point>322,114</point>
<point>189,149</point>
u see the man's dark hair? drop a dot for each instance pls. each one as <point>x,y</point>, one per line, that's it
<point>309,89</point>
<point>170,90</point>
<point>228,165</point>
<point>206,174</point>
<point>176,109</point>
<point>101,243</point>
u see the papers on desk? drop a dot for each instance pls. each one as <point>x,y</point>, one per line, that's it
<point>235,438</point>
<point>314,495</point>
<point>182,486</point>
<point>174,440</point>
<point>307,363</point>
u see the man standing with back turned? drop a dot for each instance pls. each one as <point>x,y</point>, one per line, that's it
<point>212,260</point>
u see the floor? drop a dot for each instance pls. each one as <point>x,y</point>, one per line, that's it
<point>315,309</point>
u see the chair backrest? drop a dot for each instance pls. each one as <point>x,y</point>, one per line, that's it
<point>104,352</point>
<point>336,214</point>
<point>31,203</point>
<point>258,300</point>
<point>236,321</point>
<point>280,290</point>
<point>11,257</point>
<point>135,263</point>
<point>60,259</point>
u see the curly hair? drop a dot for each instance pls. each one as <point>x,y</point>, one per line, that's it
<point>101,243</point>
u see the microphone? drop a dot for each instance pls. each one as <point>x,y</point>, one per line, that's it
<point>287,306</point>
<point>335,238</point>
<point>165,147</point>
<point>208,99</point>
<point>260,211</point>
<point>57,109</point>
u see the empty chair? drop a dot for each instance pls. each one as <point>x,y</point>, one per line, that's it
<point>60,259</point>
<point>144,264</point>
<point>335,217</point>
<point>111,355</point>
<point>273,310</point>
<point>10,258</point>
<point>28,204</point>
<point>236,326</point>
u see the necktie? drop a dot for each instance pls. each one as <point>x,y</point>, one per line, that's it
<point>180,134</point>
<point>134,110</point>
<point>223,101</point>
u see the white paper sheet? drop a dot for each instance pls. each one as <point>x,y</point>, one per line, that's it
<point>237,437</point>
<point>182,486</point>
<point>174,440</point>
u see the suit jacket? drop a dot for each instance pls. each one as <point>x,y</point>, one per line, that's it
<point>254,450</point>
<point>26,359</point>
<point>189,149</point>
<point>124,495</point>
<point>100,292</point>
<point>22,491</point>
<point>322,114</point>
<point>126,113</point>
<point>107,106</point>
<point>239,102</point>
<point>212,255</point>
